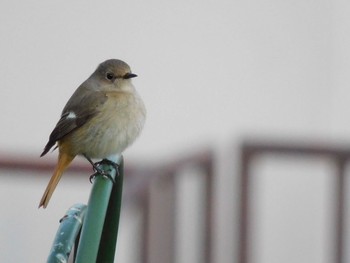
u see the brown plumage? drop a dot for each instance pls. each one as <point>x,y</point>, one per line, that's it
<point>102,118</point>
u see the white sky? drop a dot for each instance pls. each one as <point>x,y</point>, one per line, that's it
<point>208,71</point>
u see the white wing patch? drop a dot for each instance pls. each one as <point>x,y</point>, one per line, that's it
<point>71,115</point>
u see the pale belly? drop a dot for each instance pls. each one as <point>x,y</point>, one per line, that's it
<point>110,132</point>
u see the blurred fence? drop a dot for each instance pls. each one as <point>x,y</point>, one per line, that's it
<point>156,192</point>
<point>175,201</point>
<point>251,151</point>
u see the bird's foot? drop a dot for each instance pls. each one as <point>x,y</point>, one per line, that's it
<point>100,172</point>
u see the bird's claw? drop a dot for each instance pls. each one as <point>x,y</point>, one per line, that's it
<point>104,174</point>
<point>100,172</point>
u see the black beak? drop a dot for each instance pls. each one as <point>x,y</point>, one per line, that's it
<point>129,76</point>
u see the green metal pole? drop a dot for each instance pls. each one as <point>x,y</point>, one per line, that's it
<point>66,234</point>
<point>108,242</point>
<point>94,221</point>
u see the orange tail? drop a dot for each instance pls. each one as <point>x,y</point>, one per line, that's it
<point>63,161</point>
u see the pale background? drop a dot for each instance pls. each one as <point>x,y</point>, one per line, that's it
<point>210,72</point>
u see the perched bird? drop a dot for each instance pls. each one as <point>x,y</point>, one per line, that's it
<point>101,119</point>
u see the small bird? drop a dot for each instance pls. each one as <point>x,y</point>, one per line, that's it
<point>101,119</point>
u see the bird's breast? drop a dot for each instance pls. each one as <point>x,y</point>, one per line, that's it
<point>117,124</point>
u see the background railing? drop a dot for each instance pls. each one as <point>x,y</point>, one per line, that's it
<point>250,151</point>
<point>155,191</point>
<point>169,195</point>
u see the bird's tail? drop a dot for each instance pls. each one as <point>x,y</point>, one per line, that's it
<point>63,161</point>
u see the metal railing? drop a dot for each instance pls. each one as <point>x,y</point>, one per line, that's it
<point>138,190</point>
<point>251,150</point>
<point>166,176</point>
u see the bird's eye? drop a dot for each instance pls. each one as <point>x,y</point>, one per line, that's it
<point>109,76</point>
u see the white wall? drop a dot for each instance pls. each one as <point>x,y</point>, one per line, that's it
<point>210,72</point>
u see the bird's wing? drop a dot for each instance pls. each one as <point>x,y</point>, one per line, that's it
<point>80,108</point>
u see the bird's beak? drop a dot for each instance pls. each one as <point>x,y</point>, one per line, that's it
<point>129,76</point>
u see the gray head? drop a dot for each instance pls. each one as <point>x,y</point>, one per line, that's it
<point>112,71</point>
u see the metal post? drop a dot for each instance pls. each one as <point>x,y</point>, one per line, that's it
<point>243,240</point>
<point>340,210</point>
<point>67,233</point>
<point>95,218</point>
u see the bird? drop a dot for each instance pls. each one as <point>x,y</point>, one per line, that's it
<point>101,119</point>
